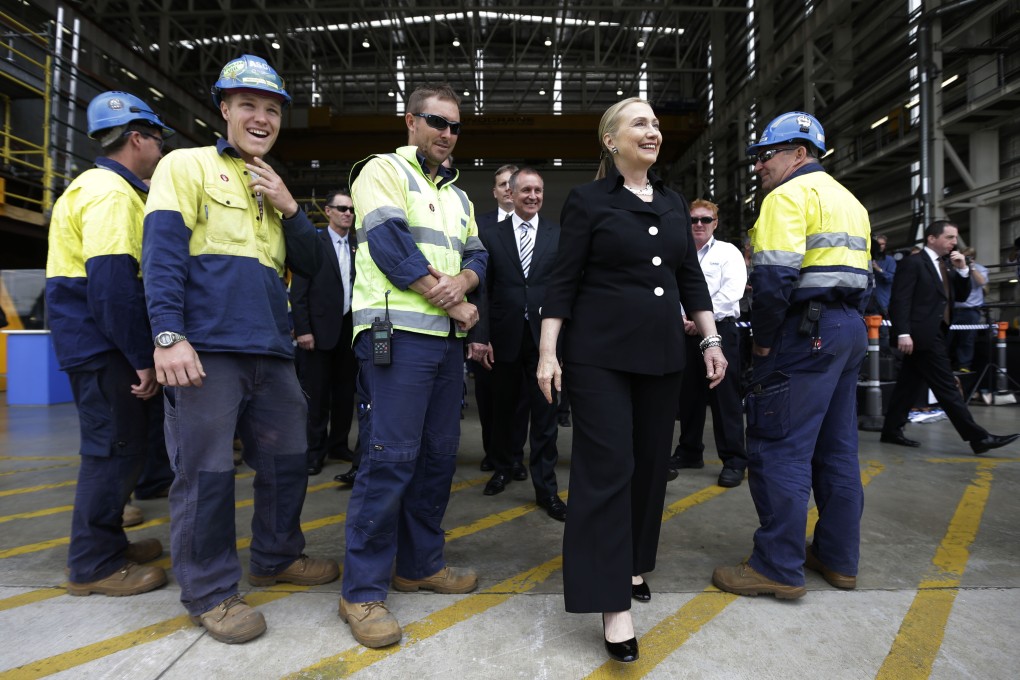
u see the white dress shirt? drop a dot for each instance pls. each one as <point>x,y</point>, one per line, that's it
<point>726,275</point>
<point>343,254</point>
<point>517,222</point>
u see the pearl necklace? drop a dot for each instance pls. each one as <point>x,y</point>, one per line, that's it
<point>645,191</point>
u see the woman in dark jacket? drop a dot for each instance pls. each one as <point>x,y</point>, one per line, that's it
<point>627,260</point>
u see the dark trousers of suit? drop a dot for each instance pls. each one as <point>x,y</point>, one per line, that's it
<point>508,377</point>
<point>327,377</point>
<point>623,430</point>
<point>930,366</point>
<point>483,398</point>
<point>724,399</point>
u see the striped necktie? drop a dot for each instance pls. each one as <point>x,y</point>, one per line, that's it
<point>527,246</point>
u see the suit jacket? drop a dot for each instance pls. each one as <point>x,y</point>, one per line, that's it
<point>623,268</point>
<point>508,293</point>
<point>317,303</point>
<point>488,219</point>
<point>918,300</point>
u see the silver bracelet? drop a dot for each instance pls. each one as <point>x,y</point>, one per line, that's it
<point>710,341</point>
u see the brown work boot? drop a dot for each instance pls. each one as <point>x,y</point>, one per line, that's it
<point>371,623</point>
<point>449,580</point>
<point>232,621</point>
<point>834,578</point>
<point>744,580</point>
<point>304,571</point>
<point>131,579</point>
<point>145,550</point>
<point>132,516</point>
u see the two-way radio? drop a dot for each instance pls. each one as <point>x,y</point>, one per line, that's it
<point>382,338</point>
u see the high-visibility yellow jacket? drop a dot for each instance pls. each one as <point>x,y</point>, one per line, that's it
<point>407,221</point>
<point>94,296</point>
<point>811,242</point>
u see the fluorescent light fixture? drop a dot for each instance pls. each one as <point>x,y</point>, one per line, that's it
<point>548,42</point>
<point>275,45</point>
<point>881,121</point>
<point>467,93</point>
<point>201,123</point>
<point>155,92</point>
<point>390,94</point>
<point>619,93</point>
<point>950,80</point>
<point>828,153</point>
<point>365,43</point>
<point>541,92</point>
<point>749,199</point>
<point>456,41</point>
<point>129,74</point>
<point>640,43</point>
<point>913,102</point>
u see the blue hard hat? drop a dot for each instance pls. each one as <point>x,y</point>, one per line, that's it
<point>249,72</point>
<point>112,109</point>
<point>795,125</point>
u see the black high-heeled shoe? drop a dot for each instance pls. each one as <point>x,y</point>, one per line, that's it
<point>641,592</point>
<point>624,652</point>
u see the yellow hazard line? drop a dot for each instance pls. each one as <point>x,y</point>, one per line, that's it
<point>37,513</point>
<point>35,469</point>
<point>920,635</point>
<point>156,631</point>
<point>40,457</point>
<point>34,489</point>
<point>672,632</point>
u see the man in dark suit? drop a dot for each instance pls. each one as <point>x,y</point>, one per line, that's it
<point>924,288</point>
<point>522,250</point>
<point>483,388</point>
<point>322,324</point>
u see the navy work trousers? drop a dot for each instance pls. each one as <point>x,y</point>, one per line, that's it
<point>114,431</point>
<point>802,436</point>
<point>261,396</point>
<point>403,484</point>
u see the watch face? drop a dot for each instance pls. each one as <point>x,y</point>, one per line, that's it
<point>166,339</point>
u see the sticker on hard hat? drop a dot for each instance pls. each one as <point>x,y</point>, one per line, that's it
<point>233,69</point>
<point>804,122</point>
<point>116,104</point>
<point>259,81</point>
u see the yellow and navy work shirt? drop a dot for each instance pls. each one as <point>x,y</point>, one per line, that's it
<point>407,222</point>
<point>215,255</point>
<point>810,242</point>
<point>94,296</point>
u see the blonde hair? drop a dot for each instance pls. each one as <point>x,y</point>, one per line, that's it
<point>609,124</point>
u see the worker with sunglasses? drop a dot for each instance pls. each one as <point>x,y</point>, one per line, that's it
<point>811,262</point>
<point>418,256</point>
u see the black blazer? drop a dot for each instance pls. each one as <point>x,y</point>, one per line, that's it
<point>624,266</point>
<point>488,219</point>
<point>317,303</point>
<point>507,291</point>
<point>918,300</point>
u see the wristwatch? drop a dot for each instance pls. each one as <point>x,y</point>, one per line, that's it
<point>168,339</point>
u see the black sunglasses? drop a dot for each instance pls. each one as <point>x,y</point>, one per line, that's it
<point>764,157</point>
<point>702,220</point>
<point>342,208</point>
<point>439,123</point>
<point>159,140</point>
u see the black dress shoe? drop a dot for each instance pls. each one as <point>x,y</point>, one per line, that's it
<point>641,592</point>
<point>554,507</point>
<point>730,477</point>
<point>314,468</point>
<point>992,441</point>
<point>341,454</point>
<point>898,438</point>
<point>624,652</point>
<point>677,462</point>
<point>671,474</point>
<point>497,484</point>
<point>518,471</point>
<point>563,420</point>
<point>347,477</point>
<point>486,465</point>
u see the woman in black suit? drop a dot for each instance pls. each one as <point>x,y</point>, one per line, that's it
<point>626,261</point>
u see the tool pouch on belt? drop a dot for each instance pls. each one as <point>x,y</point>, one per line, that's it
<point>767,405</point>
<point>809,318</point>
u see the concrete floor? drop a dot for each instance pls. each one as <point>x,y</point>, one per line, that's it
<point>938,594</point>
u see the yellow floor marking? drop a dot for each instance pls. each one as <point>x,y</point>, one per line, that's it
<point>40,457</point>
<point>493,520</point>
<point>40,487</point>
<point>30,598</point>
<point>83,655</point>
<point>669,634</point>
<point>972,459</point>
<point>35,469</point>
<point>37,513</point>
<point>920,635</point>
<point>358,658</point>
